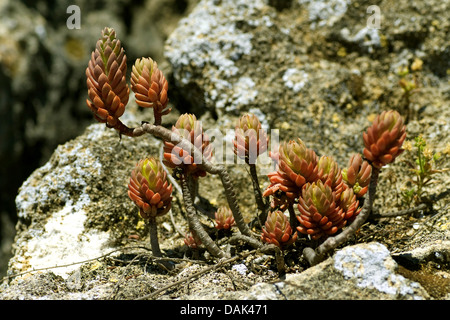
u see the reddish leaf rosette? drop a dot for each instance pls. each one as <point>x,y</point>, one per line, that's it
<point>106,81</point>
<point>192,240</point>
<point>357,175</point>
<point>250,138</point>
<point>297,165</point>
<point>383,140</point>
<point>319,213</point>
<point>349,204</point>
<point>150,87</point>
<point>190,129</point>
<point>331,174</point>
<point>278,231</point>
<point>150,189</point>
<point>224,218</point>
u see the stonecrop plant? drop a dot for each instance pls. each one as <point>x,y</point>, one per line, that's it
<point>309,197</point>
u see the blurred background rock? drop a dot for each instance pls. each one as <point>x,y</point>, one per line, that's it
<point>42,78</point>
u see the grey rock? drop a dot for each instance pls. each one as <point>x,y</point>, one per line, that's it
<point>42,77</point>
<point>301,72</point>
<point>66,206</point>
<point>359,272</point>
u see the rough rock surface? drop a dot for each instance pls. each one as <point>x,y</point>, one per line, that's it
<point>312,71</point>
<point>43,85</point>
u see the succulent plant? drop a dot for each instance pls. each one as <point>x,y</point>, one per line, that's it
<point>189,128</point>
<point>384,138</point>
<point>331,174</point>
<point>106,81</point>
<point>277,230</point>
<point>357,175</point>
<point>349,204</point>
<point>224,218</point>
<point>282,190</point>
<point>150,87</point>
<point>192,240</point>
<point>319,213</point>
<point>298,162</point>
<point>297,165</point>
<point>250,139</point>
<point>149,188</point>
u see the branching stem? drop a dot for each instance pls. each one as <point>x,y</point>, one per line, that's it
<point>194,223</point>
<point>154,237</point>
<point>262,206</point>
<point>292,218</point>
<point>420,207</point>
<point>167,135</point>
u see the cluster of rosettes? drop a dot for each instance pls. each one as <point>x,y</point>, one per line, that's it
<point>149,188</point>
<point>189,128</point>
<point>108,89</point>
<point>297,165</point>
<point>327,197</point>
<point>322,212</point>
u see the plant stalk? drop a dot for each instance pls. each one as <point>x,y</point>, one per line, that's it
<point>194,223</point>
<point>262,206</point>
<point>176,139</point>
<point>154,237</point>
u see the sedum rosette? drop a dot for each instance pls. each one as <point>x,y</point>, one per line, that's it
<point>192,240</point>
<point>357,175</point>
<point>331,174</point>
<point>106,81</point>
<point>319,213</point>
<point>150,87</point>
<point>190,129</point>
<point>297,165</point>
<point>384,138</point>
<point>250,139</point>
<point>224,218</point>
<point>150,189</point>
<point>349,204</point>
<point>278,231</point>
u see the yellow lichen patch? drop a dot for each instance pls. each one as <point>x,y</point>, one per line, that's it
<point>95,266</point>
<point>342,52</point>
<point>74,49</point>
<point>140,225</point>
<point>285,125</point>
<point>371,117</point>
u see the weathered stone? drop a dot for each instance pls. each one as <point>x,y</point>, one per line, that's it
<point>43,82</point>
<point>69,209</point>
<point>306,70</point>
<point>360,272</point>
